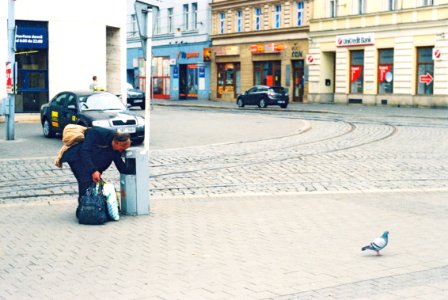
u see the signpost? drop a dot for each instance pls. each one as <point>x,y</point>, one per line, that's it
<point>10,74</point>
<point>143,13</point>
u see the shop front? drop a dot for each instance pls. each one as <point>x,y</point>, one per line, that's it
<point>237,68</point>
<point>32,65</point>
<point>181,71</point>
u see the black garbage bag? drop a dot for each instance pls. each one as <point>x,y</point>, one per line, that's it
<point>93,207</point>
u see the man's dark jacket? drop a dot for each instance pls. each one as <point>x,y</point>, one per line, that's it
<point>95,153</point>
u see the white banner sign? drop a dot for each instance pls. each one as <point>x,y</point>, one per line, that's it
<point>355,40</point>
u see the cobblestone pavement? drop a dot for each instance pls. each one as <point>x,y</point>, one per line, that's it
<point>320,156</point>
<point>276,218</point>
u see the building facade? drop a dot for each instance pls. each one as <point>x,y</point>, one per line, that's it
<point>387,52</point>
<point>259,42</point>
<point>61,48</point>
<point>180,50</point>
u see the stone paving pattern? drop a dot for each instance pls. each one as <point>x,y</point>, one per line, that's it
<point>278,218</point>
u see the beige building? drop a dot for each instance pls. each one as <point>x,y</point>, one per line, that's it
<point>258,42</point>
<point>391,52</point>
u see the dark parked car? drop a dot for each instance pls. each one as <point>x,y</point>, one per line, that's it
<point>263,95</point>
<point>88,108</point>
<point>135,97</point>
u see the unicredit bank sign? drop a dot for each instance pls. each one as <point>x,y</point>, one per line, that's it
<point>355,40</point>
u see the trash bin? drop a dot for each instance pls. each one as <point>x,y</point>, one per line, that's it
<point>135,187</point>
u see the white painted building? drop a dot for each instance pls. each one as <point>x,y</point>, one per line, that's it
<point>76,40</point>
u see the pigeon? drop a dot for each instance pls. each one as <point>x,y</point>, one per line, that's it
<point>378,243</point>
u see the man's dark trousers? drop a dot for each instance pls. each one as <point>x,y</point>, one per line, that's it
<point>82,176</point>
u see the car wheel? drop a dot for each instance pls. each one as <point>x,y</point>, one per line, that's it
<point>240,102</point>
<point>142,106</point>
<point>262,103</point>
<point>137,142</point>
<point>47,130</point>
<point>284,105</point>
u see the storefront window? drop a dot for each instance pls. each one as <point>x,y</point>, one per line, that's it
<point>357,71</point>
<point>228,78</point>
<point>161,77</point>
<point>425,73</point>
<point>386,71</point>
<point>267,73</point>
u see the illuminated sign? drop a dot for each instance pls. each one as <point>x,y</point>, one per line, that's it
<point>355,40</point>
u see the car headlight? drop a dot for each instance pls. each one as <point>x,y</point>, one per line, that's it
<point>101,123</point>
<point>140,121</point>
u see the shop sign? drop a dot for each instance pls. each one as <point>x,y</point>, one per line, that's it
<point>355,40</point>
<point>8,78</point>
<point>426,78</point>
<point>355,73</point>
<point>187,55</point>
<point>267,48</point>
<point>226,50</point>
<point>201,71</point>
<point>436,54</point>
<point>207,54</point>
<point>31,37</point>
<point>383,72</point>
<point>310,59</point>
<point>175,72</point>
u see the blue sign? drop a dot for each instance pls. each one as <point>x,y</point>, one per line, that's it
<point>201,71</point>
<point>31,38</point>
<point>175,72</point>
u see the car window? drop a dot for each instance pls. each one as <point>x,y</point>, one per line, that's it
<point>253,90</point>
<point>278,90</point>
<point>71,100</point>
<point>101,101</point>
<point>59,100</point>
<point>263,89</point>
<point>129,86</point>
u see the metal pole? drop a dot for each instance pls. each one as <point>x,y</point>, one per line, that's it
<point>12,59</point>
<point>148,64</point>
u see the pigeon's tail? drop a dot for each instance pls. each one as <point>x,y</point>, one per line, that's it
<point>367,248</point>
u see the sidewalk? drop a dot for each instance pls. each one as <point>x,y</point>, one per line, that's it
<point>304,246</point>
<point>344,109</point>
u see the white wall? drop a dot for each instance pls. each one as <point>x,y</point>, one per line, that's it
<point>76,38</point>
<point>3,47</point>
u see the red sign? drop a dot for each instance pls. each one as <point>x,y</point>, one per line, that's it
<point>310,59</point>
<point>426,78</point>
<point>355,73</point>
<point>382,71</point>
<point>8,78</point>
<point>436,54</point>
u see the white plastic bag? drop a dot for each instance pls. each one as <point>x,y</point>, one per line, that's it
<point>112,203</point>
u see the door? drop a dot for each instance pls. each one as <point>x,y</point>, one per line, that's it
<point>69,111</point>
<point>297,77</point>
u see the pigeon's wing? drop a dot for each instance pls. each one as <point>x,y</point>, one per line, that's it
<point>379,243</point>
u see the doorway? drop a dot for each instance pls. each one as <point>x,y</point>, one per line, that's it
<point>188,81</point>
<point>298,80</point>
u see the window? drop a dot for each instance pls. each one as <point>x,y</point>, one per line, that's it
<point>333,8</point>
<point>357,71</point>
<point>300,13</point>
<point>170,20</point>
<point>278,16</point>
<point>267,73</point>
<point>257,18</point>
<point>186,19</point>
<point>194,15</point>
<point>428,2</point>
<point>229,77</point>
<point>239,21</point>
<point>156,21</point>
<point>132,25</point>
<point>361,7</point>
<point>161,76</point>
<point>222,21</point>
<point>391,5</point>
<point>385,71</point>
<point>425,71</point>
